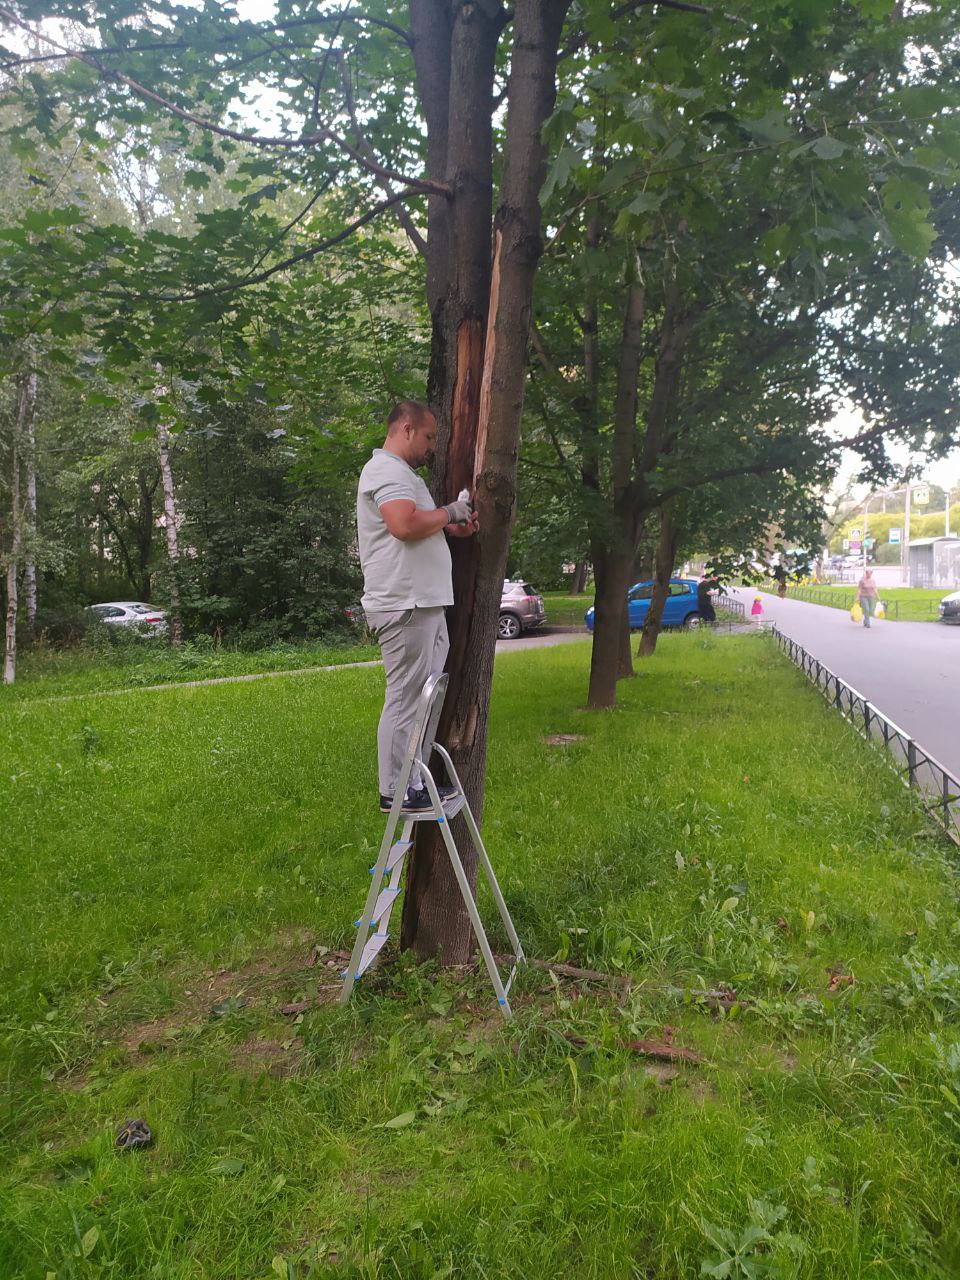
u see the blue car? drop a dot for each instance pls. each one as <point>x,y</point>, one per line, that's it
<point>680,610</point>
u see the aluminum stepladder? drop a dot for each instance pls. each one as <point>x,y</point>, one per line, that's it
<point>389,866</point>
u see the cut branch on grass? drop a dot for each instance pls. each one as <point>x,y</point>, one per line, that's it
<point>647,1048</point>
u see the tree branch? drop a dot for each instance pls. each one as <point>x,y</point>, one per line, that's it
<point>578,41</point>
<point>403,217</point>
<point>235,135</point>
<point>324,245</point>
<point>158,46</point>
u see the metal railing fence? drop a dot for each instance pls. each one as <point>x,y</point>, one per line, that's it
<point>845,599</point>
<point>939,790</point>
<point>729,604</point>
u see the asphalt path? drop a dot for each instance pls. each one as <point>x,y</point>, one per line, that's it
<point>909,670</point>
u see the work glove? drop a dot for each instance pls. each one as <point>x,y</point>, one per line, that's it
<point>459,512</point>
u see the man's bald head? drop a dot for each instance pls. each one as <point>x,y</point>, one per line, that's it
<point>411,432</point>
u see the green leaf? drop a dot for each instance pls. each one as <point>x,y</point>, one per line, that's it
<point>399,1122</point>
<point>229,1166</point>
<point>197,178</point>
<point>770,127</point>
<point>560,171</point>
<point>729,905</point>
<point>911,232</point>
<point>89,1241</point>
<point>829,148</point>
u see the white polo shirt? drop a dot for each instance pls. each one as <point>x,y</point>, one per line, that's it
<point>398,575</point>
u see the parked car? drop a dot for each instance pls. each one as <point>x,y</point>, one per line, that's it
<point>680,610</point>
<point>147,619</point>
<point>950,608</point>
<point>521,609</point>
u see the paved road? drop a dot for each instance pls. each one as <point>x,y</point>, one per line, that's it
<point>909,670</point>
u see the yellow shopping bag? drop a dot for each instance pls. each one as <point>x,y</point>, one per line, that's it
<point>856,613</point>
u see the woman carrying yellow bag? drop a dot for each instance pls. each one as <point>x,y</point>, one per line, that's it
<point>867,593</point>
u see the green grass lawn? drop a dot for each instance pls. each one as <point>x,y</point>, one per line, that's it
<point>170,860</point>
<point>565,610</point>
<point>913,604</point>
<point>46,672</point>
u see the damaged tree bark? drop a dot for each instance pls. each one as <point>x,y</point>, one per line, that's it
<point>480,303</point>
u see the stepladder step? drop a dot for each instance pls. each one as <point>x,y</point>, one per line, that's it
<point>397,853</point>
<point>371,951</point>
<point>384,904</point>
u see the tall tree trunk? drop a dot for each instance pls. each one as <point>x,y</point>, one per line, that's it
<point>484,418</point>
<point>29,444</point>
<point>579,583</point>
<point>665,559</point>
<point>611,571</point>
<point>101,553</point>
<point>625,656</point>
<point>16,532</point>
<point>173,546</point>
<point>146,489</point>
<point>611,658</point>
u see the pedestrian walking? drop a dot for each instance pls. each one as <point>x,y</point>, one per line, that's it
<point>780,574</point>
<point>756,611</point>
<point>407,583</point>
<point>704,603</point>
<point>867,592</point>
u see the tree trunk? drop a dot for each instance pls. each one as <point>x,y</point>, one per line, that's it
<point>16,533</point>
<point>665,559</point>
<point>625,656</point>
<point>611,659</point>
<point>611,570</point>
<point>146,491</point>
<point>173,546</point>
<point>482,412</point>
<point>579,584</point>
<point>101,553</point>
<point>29,441</point>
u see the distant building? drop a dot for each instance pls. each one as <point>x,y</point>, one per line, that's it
<point>934,562</point>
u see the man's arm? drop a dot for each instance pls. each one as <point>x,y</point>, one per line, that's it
<point>407,522</point>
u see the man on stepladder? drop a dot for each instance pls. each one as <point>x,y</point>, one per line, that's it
<point>407,582</point>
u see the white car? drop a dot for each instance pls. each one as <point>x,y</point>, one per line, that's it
<point>147,619</point>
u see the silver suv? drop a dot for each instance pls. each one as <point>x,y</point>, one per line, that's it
<point>521,609</point>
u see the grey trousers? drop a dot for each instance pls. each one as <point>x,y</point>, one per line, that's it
<point>414,645</point>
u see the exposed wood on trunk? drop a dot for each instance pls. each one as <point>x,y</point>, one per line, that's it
<point>173,547</point>
<point>466,406</point>
<point>16,532</point>
<point>664,561</point>
<point>29,446</point>
<point>434,922</point>
<point>489,352</point>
